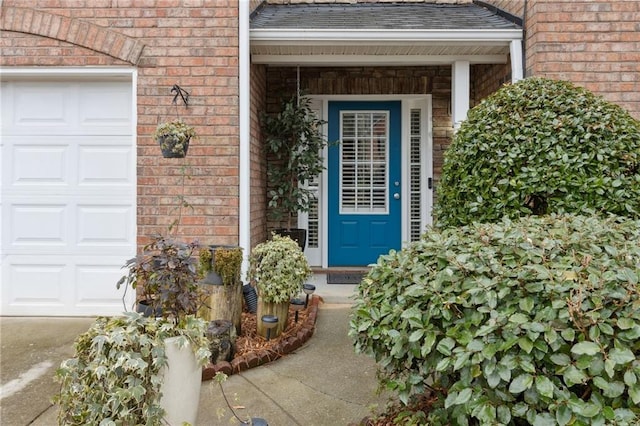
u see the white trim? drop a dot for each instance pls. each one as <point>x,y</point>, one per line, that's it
<point>460,92</point>
<point>371,60</point>
<point>369,98</point>
<point>424,103</point>
<point>427,171</point>
<point>304,36</point>
<point>516,61</point>
<point>408,101</point>
<point>244,205</point>
<point>88,72</point>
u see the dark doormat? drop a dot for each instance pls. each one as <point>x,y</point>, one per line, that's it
<point>345,277</point>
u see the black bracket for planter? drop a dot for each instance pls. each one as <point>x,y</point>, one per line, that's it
<point>180,92</point>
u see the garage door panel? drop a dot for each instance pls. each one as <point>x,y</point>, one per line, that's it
<point>38,225</point>
<point>111,116</point>
<point>86,108</point>
<point>41,287</point>
<point>105,165</point>
<point>96,285</point>
<point>35,282</point>
<point>105,225</point>
<point>84,162</point>
<point>73,225</point>
<point>39,165</point>
<point>38,107</point>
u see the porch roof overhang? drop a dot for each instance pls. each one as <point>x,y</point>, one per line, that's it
<point>380,34</point>
<point>380,47</point>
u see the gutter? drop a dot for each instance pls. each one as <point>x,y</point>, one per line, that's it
<point>342,37</point>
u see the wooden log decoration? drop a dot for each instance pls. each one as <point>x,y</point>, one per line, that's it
<point>222,335</point>
<point>280,310</point>
<point>223,284</point>
<point>225,303</point>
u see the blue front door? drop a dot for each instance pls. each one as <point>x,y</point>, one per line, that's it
<point>364,181</point>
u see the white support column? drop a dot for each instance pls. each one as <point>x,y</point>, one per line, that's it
<point>460,92</point>
<point>244,231</point>
<point>515,49</point>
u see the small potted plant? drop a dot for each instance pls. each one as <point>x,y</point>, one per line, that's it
<point>118,373</point>
<point>138,369</point>
<point>294,142</point>
<point>165,275</point>
<point>174,137</point>
<point>277,268</point>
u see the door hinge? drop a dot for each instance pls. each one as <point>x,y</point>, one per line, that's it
<point>430,183</point>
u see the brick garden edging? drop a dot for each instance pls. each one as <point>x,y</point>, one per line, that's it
<point>264,356</point>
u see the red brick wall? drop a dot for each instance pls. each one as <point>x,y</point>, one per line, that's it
<point>191,43</point>
<point>258,156</point>
<point>486,79</point>
<point>595,44</point>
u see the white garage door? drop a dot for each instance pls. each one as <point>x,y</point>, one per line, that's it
<point>68,195</point>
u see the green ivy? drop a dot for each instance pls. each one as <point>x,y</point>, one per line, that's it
<point>278,268</point>
<point>115,376</point>
<point>534,321</point>
<point>536,147</point>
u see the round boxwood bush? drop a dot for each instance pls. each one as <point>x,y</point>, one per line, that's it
<point>540,146</point>
<point>533,321</point>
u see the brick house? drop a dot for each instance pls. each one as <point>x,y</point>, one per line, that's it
<point>85,82</point>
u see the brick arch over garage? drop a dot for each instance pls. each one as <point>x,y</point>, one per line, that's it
<point>74,31</point>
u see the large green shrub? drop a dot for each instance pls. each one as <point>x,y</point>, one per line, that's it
<point>534,321</point>
<point>540,146</point>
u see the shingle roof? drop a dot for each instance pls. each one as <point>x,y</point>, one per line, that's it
<point>392,16</point>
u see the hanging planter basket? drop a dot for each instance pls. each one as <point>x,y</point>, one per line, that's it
<point>174,137</point>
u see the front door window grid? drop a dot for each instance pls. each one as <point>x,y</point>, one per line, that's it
<point>364,151</point>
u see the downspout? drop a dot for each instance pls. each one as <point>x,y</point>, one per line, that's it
<point>524,40</point>
<point>244,119</point>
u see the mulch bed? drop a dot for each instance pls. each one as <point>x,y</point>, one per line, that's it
<point>253,350</point>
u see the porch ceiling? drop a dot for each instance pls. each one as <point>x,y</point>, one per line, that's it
<point>379,34</point>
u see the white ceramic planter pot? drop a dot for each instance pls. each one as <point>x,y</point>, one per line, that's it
<point>181,384</point>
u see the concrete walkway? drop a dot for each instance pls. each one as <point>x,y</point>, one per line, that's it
<point>322,383</point>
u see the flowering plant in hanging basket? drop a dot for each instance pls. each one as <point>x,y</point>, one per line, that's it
<point>174,137</point>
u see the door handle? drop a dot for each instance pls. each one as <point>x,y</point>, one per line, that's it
<point>396,196</point>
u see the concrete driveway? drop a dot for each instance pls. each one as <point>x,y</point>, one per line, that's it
<point>30,351</point>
